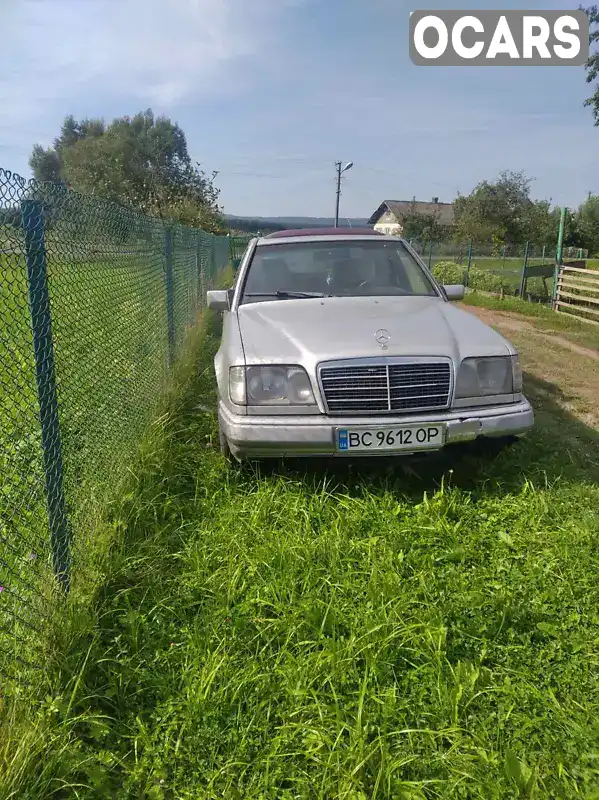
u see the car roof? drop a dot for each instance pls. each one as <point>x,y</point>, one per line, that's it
<point>343,232</point>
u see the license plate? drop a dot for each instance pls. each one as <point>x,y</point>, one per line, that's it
<point>409,437</point>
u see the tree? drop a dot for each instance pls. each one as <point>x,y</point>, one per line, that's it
<point>543,225</point>
<point>586,221</point>
<point>471,221</point>
<point>141,162</point>
<point>424,228</point>
<point>502,212</point>
<point>592,65</point>
<point>45,164</point>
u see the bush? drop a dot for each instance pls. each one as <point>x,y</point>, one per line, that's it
<point>488,282</point>
<point>450,272</point>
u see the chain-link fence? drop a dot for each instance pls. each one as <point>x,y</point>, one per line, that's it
<point>95,301</point>
<point>525,270</point>
<point>237,247</point>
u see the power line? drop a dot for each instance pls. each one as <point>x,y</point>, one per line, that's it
<point>297,178</point>
<point>292,176</point>
<point>277,157</point>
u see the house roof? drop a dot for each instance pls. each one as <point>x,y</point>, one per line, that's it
<point>400,208</point>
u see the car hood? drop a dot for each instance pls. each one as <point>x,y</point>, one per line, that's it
<point>308,331</point>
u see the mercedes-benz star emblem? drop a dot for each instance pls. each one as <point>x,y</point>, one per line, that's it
<point>382,336</point>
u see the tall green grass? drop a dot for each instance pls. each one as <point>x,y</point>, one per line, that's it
<point>110,335</point>
<point>335,630</point>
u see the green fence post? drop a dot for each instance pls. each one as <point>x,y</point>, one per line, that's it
<point>560,237</point>
<point>559,255</point>
<point>43,351</point>
<point>469,262</point>
<point>212,262</point>
<point>200,296</point>
<point>170,296</point>
<point>503,263</point>
<point>524,265</point>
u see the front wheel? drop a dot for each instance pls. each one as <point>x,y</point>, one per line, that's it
<point>493,446</point>
<point>224,445</point>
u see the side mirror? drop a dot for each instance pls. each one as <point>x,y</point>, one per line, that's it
<point>218,300</point>
<point>454,291</point>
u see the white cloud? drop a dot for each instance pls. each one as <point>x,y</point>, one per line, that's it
<point>160,52</point>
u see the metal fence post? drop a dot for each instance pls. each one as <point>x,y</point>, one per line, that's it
<point>469,262</point>
<point>559,253</point>
<point>199,298</point>
<point>543,256</point>
<point>212,262</point>
<point>43,350</point>
<point>560,236</point>
<point>170,297</point>
<point>524,265</point>
<point>430,255</point>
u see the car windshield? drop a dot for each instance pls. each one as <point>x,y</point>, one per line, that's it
<point>363,268</point>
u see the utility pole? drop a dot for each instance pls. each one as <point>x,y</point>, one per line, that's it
<point>340,171</point>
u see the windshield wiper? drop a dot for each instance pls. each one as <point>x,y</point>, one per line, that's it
<point>283,294</point>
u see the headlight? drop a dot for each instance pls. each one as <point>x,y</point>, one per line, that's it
<point>270,386</point>
<point>484,377</point>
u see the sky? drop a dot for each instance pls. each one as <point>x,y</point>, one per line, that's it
<point>271,93</point>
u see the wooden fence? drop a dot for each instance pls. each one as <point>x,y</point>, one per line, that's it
<point>577,292</point>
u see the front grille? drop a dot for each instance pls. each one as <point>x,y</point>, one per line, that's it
<point>386,387</point>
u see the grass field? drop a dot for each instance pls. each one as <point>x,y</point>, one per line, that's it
<point>110,336</point>
<point>339,631</point>
<point>493,276</point>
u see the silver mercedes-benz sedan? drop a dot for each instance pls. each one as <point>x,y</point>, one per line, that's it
<point>342,343</point>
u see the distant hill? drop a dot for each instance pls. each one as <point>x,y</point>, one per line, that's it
<point>269,224</point>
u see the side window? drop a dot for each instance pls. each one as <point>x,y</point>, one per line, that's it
<point>412,275</point>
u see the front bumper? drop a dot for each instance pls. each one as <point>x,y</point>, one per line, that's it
<point>292,436</point>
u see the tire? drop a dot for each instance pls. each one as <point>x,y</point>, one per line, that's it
<point>493,446</point>
<point>224,445</point>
